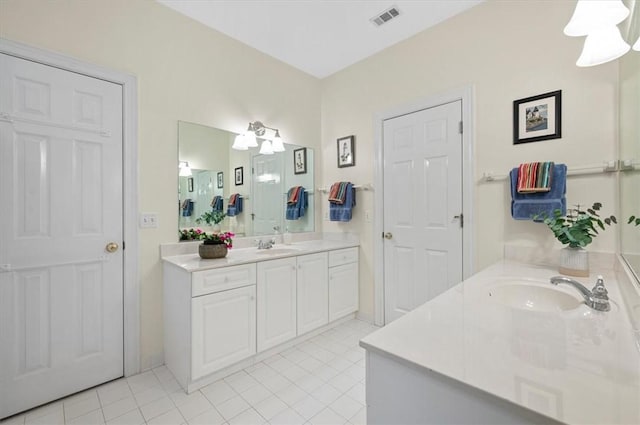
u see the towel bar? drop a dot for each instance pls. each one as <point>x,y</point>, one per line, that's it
<point>365,187</point>
<point>607,167</point>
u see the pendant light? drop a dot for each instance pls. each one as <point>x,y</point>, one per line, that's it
<point>277,144</point>
<point>185,170</point>
<point>591,15</point>
<point>266,148</point>
<point>602,45</point>
<point>239,143</point>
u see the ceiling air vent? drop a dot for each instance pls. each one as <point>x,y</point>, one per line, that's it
<point>386,16</point>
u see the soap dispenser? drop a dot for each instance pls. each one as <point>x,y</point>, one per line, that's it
<point>286,236</point>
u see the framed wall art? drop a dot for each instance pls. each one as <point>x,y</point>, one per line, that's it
<point>537,118</point>
<point>220,180</point>
<point>346,152</point>
<point>190,184</point>
<point>300,161</point>
<point>239,172</point>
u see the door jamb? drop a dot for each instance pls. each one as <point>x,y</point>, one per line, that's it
<point>131,290</point>
<point>465,94</point>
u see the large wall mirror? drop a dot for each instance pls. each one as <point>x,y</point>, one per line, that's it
<point>629,134</point>
<point>210,170</point>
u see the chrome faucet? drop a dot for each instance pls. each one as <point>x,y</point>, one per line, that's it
<point>597,298</point>
<point>265,244</point>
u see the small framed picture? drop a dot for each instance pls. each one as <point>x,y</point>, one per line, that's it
<point>537,118</point>
<point>346,152</point>
<point>190,184</point>
<point>300,161</point>
<point>220,180</point>
<point>239,176</point>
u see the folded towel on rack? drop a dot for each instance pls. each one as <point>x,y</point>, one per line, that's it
<point>341,205</point>
<point>293,194</point>
<point>217,204</point>
<point>535,177</point>
<point>235,204</point>
<point>187,207</point>
<point>524,206</point>
<point>297,210</point>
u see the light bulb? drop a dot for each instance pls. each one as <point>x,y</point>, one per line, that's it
<point>266,148</point>
<point>591,15</point>
<point>601,46</point>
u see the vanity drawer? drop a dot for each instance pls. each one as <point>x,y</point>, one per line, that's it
<point>209,281</point>
<point>343,256</point>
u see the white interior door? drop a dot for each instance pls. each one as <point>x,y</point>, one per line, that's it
<point>422,206</point>
<point>268,194</point>
<point>61,290</point>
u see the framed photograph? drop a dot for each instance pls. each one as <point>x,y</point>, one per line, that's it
<point>190,184</point>
<point>220,180</point>
<point>300,161</point>
<point>239,176</point>
<point>537,118</point>
<point>346,152</point>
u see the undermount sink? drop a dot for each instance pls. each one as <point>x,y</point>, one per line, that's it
<point>277,251</point>
<point>527,296</point>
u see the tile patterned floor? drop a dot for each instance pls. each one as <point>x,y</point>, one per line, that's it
<point>317,382</point>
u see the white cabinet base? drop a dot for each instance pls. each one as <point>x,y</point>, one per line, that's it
<point>399,393</point>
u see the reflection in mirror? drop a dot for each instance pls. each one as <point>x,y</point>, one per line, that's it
<point>629,134</point>
<point>219,171</point>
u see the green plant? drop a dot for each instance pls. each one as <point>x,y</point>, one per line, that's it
<point>219,238</point>
<point>579,227</point>
<point>190,234</point>
<point>211,217</point>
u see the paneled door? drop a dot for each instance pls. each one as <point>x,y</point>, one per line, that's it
<point>61,231</point>
<point>423,206</point>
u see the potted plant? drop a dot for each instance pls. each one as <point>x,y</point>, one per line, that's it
<point>215,245</point>
<point>212,219</point>
<point>577,230</point>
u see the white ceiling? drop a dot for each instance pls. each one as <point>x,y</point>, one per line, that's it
<point>319,37</point>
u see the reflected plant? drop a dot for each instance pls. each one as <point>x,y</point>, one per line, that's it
<point>211,217</point>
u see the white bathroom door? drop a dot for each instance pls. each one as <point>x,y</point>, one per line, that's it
<point>268,194</point>
<point>61,282</point>
<point>422,206</point>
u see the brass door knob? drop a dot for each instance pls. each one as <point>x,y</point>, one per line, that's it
<point>112,247</point>
<point>388,235</point>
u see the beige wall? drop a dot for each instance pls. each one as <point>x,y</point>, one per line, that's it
<point>185,72</point>
<point>506,51</point>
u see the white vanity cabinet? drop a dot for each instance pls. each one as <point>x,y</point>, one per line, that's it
<point>219,318</point>
<point>343,282</point>
<point>209,319</point>
<point>276,302</point>
<point>313,292</point>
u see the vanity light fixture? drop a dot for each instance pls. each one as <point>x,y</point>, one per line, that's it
<point>258,131</point>
<point>598,20</point>
<point>185,170</point>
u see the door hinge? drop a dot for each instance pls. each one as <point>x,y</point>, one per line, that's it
<point>123,247</point>
<point>460,127</point>
<point>461,220</point>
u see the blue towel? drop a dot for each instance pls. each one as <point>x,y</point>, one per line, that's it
<point>187,208</point>
<point>216,204</point>
<point>338,212</point>
<point>233,210</point>
<point>297,210</point>
<point>525,205</point>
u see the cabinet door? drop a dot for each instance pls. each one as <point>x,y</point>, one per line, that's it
<point>223,329</point>
<point>343,290</point>
<point>276,302</point>
<point>313,292</point>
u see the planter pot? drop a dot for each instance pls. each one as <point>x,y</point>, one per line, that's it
<point>574,262</point>
<point>208,251</point>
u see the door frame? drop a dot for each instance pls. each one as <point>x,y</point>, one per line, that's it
<point>464,94</point>
<point>131,289</point>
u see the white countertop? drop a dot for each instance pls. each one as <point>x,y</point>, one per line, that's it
<point>236,256</point>
<point>578,366</point>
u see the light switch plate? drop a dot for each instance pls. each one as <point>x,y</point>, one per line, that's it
<point>148,220</point>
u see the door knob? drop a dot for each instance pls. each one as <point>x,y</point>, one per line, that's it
<point>388,235</point>
<point>111,247</point>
